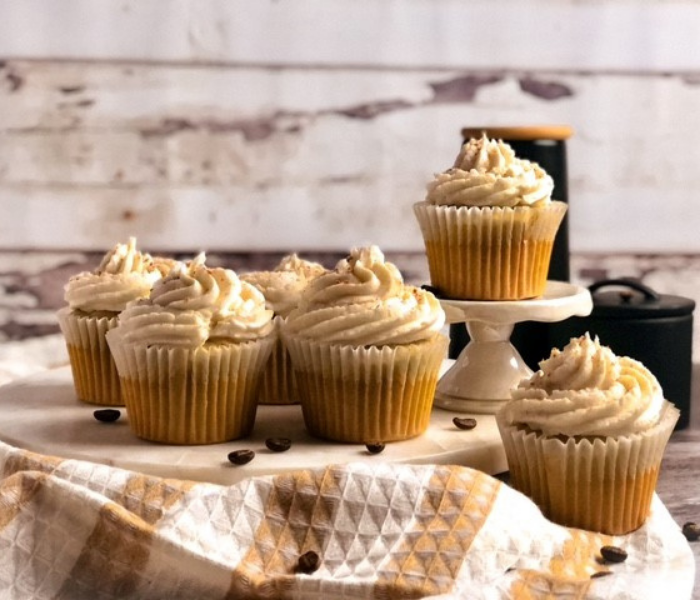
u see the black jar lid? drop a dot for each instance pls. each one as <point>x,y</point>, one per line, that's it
<point>636,301</point>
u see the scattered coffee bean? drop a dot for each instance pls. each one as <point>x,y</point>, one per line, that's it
<point>278,444</point>
<point>613,554</point>
<point>375,448</point>
<point>464,423</point>
<point>308,562</point>
<point>241,457</point>
<point>691,531</point>
<point>107,415</point>
<point>598,574</point>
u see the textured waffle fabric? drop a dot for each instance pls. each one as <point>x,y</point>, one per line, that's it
<point>73,529</point>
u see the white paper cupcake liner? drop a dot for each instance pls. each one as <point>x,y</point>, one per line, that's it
<point>489,253</point>
<point>365,395</point>
<point>602,484</point>
<point>177,395</point>
<point>94,373</point>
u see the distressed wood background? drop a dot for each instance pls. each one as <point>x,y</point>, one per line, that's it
<point>251,129</point>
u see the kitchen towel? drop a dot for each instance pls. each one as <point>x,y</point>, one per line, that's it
<point>73,529</point>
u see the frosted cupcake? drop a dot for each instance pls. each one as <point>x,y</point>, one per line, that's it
<point>585,435</point>
<point>489,224</point>
<point>191,355</point>
<point>282,288</point>
<point>94,300</point>
<point>366,350</point>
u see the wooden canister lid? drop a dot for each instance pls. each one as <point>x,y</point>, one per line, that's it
<point>522,133</point>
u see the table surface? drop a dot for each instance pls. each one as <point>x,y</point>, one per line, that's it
<point>679,480</point>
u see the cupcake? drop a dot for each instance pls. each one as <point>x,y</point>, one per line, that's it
<point>585,435</point>
<point>282,288</point>
<point>191,355</point>
<point>489,224</point>
<point>366,350</point>
<point>94,300</point>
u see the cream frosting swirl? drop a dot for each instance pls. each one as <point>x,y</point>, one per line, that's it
<point>585,389</point>
<point>303,268</point>
<point>124,274</point>
<point>195,303</point>
<point>283,286</point>
<point>487,173</point>
<point>364,301</point>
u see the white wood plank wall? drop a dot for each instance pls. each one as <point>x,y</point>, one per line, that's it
<point>315,124</point>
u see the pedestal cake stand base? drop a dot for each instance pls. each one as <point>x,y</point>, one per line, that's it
<point>489,366</point>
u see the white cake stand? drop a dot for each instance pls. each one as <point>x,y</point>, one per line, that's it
<point>489,366</point>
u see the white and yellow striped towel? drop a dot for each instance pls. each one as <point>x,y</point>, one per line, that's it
<point>72,529</point>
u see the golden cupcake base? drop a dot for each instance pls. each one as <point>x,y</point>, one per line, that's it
<point>279,385</point>
<point>177,395</point>
<point>602,484</point>
<point>365,395</point>
<point>486,253</point>
<point>95,376</point>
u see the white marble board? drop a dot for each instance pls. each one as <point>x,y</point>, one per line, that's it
<point>41,413</point>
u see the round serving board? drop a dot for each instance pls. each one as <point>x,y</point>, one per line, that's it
<point>41,414</point>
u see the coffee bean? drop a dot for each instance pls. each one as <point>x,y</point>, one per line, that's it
<point>613,554</point>
<point>308,562</point>
<point>598,574</point>
<point>691,531</point>
<point>241,457</point>
<point>278,444</point>
<point>375,448</point>
<point>464,423</point>
<point>107,415</point>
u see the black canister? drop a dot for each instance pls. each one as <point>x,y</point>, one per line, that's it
<point>545,145</point>
<point>636,321</point>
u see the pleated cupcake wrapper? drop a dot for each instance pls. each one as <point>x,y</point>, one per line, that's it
<point>279,384</point>
<point>489,253</point>
<point>94,373</point>
<point>191,396</point>
<point>364,395</point>
<point>599,484</point>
